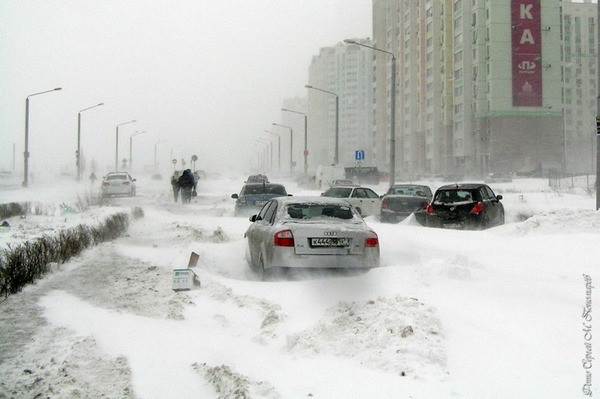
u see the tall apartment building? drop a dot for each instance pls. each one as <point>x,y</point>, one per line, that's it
<point>479,84</point>
<point>341,73</point>
<point>580,84</point>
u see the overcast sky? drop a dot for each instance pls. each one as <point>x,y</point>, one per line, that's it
<point>206,76</point>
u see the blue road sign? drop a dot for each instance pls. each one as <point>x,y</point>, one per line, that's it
<point>359,155</point>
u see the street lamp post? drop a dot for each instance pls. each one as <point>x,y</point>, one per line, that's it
<point>79,139</point>
<point>305,137</point>
<point>264,141</point>
<point>291,146</point>
<point>392,177</point>
<point>131,148</point>
<point>117,144</point>
<point>336,156</point>
<point>278,150</point>
<point>26,153</point>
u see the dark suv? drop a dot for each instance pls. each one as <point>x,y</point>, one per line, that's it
<point>465,206</point>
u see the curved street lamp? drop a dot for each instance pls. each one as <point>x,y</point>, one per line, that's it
<point>278,150</point>
<point>336,156</point>
<point>392,177</point>
<point>305,137</point>
<point>117,144</point>
<point>78,154</point>
<point>291,145</point>
<point>131,147</point>
<point>26,153</point>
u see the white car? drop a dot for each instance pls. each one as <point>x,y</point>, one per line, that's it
<point>365,200</point>
<point>118,183</point>
<point>310,233</point>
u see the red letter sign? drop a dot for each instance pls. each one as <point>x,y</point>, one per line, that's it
<point>526,53</point>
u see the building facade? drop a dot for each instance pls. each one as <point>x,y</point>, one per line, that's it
<point>580,84</point>
<point>479,84</point>
<point>341,74</point>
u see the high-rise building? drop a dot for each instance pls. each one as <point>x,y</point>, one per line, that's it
<point>580,84</point>
<point>479,84</point>
<point>342,74</point>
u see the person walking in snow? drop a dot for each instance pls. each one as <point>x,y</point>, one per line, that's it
<point>175,185</point>
<point>187,184</point>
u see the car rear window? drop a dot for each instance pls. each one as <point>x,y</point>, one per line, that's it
<point>318,211</point>
<point>264,189</point>
<point>116,177</point>
<point>410,191</point>
<point>453,196</point>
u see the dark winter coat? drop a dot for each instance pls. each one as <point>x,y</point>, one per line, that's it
<point>186,180</point>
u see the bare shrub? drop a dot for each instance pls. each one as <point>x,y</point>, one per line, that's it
<point>12,209</point>
<point>137,212</point>
<point>24,263</point>
<point>522,216</point>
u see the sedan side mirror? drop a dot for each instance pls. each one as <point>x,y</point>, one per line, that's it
<point>498,197</point>
<point>253,218</point>
<point>234,196</point>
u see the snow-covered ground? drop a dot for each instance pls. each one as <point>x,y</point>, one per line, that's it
<point>500,313</point>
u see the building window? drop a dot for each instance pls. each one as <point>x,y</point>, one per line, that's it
<point>458,22</point>
<point>458,39</point>
<point>458,56</point>
<point>457,5</point>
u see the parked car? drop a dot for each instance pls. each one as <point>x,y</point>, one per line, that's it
<point>253,196</point>
<point>257,179</point>
<point>365,200</point>
<point>402,200</point>
<point>310,233</point>
<point>465,206</point>
<point>118,183</point>
<point>342,182</point>
<point>498,178</point>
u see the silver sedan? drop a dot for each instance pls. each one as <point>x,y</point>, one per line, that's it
<point>310,233</point>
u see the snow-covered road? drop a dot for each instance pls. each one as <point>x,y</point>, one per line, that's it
<point>454,314</point>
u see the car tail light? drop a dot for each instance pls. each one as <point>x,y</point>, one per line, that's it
<point>125,183</point>
<point>106,184</point>
<point>372,240</point>
<point>384,204</point>
<point>283,238</point>
<point>424,204</point>
<point>429,209</point>
<point>477,208</point>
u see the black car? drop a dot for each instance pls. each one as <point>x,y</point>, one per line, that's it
<point>402,200</point>
<point>253,196</point>
<point>465,206</point>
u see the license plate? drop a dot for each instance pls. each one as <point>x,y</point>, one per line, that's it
<point>452,226</point>
<point>331,242</point>
<point>260,203</point>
